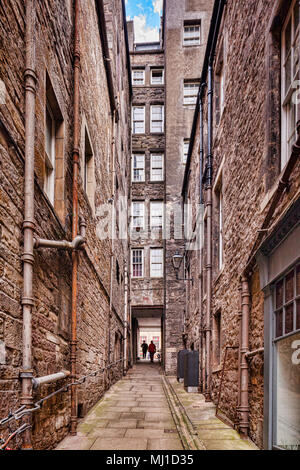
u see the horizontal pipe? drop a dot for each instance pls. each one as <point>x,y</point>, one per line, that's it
<point>63,244</point>
<point>47,379</point>
<point>254,352</point>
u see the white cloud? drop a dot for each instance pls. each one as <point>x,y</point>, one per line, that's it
<point>157,6</point>
<point>142,32</point>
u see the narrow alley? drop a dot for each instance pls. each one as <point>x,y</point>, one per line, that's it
<point>139,413</point>
<point>150,211</point>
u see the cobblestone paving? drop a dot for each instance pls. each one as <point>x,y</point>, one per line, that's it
<point>133,415</point>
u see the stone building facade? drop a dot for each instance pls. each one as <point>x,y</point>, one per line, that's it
<point>104,156</point>
<point>185,34</point>
<point>147,187</point>
<point>243,166</point>
<point>165,77</point>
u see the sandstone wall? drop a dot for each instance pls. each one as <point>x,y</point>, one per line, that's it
<point>52,268</point>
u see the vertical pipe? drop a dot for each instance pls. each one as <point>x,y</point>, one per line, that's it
<point>29,222</point>
<point>239,350</point>
<point>76,58</point>
<point>113,149</point>
<point>244,406</point>
<point>209,238</point>
<point>200,289</point>
<point>125,366</point>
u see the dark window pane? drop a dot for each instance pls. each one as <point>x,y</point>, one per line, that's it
<point>296,15</point>
<point>279,326</point>
<point>298,280</point>
<point>298,314</point>
<point>289,287</point>
<point>288,37</point>
<point>289,318</point>
<point>279,294</point>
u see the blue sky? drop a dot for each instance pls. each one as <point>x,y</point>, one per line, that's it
<point>146,16</point>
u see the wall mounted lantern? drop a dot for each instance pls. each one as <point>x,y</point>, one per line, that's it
<point>177,260</point>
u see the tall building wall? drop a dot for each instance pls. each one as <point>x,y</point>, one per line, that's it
<point>256,239</point>
<point>183,66</point>
<point>52,281</point>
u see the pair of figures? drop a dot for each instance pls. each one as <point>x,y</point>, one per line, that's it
<point>151,348</point>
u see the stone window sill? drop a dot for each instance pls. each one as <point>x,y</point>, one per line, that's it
<point>219,275</point>
<point>217,369</point>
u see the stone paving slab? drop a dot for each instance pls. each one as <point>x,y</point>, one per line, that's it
<point>127,424</point>
<point>164,444</point>
<point>156,425</point>
<point>119,444</point>
<point>214,434</point>
<point>133,415</point>
<point>145,433</point>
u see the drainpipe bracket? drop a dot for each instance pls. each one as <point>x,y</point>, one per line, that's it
<point>28,257</point>
<point>30,73</point>
<point>26,374</point>
<point>29,224</point>
<point>27,301</point>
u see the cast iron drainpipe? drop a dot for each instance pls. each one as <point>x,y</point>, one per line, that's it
<point>75,215</point>
<point>26,374</point>
<point>62,244</point>
<point>47,379</point>
<point>244,349</point>
<point>201,153</point>
<point>209,239</point>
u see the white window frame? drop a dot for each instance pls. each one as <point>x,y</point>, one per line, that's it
<point>190,39</point>
<point>185,150</point>
<point>49,183</point>
<point>154,166</point>
<point>156,214</point>
<point>137,168</point>
<point>142,131</point>
<point>220,228</point>
<point>288,108</point>
<point>162,76</point>
<point>152,272</point>
<point>152,130</point>
<point>142,259</point>
<point>138,217</point>
<point>222,89</point>
<point>191,95</point>
<point>140,81</point>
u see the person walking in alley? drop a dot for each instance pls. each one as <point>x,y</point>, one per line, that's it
<point>145,349</point>
<point>152,350</point>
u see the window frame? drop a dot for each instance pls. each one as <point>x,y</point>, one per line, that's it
<point>142,80</point>
<point>153,167</point>
<point>161,215</point>
<point>162,76</point>
<point>142,216</point>
<point>142,263</point>
<point>50,160</point>
<point>187,84</point>
<point>186,142</point>
<point>135,120</point>
<point>220,229</point>
<point>133,180</point>
<point>154,131</point>
<point>152,250</point>
<point>192,39</point>
<point>288,137</point>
